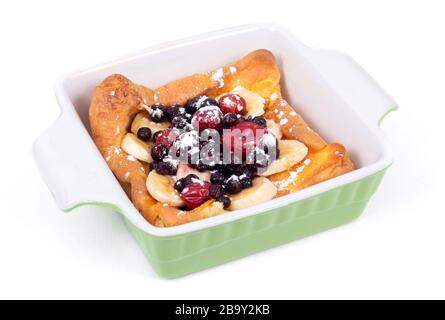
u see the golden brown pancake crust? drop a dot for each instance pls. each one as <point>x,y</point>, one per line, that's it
<point>117,100</point>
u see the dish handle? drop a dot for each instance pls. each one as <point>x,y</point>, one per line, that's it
<point>72,167</point>
<point>354,84</point>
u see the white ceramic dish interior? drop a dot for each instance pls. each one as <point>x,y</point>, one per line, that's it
<point>334,94</point>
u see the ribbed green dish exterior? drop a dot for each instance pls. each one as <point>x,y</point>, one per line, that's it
<point>176,256</point>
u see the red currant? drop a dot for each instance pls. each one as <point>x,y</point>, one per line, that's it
<point>196,194</point>
<point>232,103</point>
<point>209,117</point>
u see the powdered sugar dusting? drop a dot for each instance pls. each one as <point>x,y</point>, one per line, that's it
<point>218,76</point>
<point>283,121</point>
<point>293,175</point>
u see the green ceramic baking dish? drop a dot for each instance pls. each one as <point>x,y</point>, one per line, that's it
<point>334,94</point>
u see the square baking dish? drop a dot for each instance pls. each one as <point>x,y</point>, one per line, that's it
<point>333,93</point>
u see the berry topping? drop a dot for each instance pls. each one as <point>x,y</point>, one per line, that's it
<point>246,170</point>
<point>216,191</point>
<point>195,194</point>
<point>166,137</point>
<point>156,135</point>
<point>174,111</point>
<point>230,119</point>
<point>246,181</point>
<point>144,134</point>
<point>225,200</point>
<point>201,166</point>
<point>233,103</point>
<point>209,102</point>
<point>244,135</point>
<point>159,152</point>
<point>158,112</point>
<point>165,168</point>
<point>207,117</point>
<point>179,185</point>
<point>191,178</point>
<point>193,105</point>
<point>233,185</point>
<point>217,177</point>
<point>260,121</point>
<point>179,122</point>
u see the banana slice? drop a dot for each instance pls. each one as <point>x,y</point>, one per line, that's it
<point>291,152</point>
<point>184,170</point>
<point>142,121</point>
<point>136,147</point>
<point>261,191</point>
<point>274,128</point>
<point>161,188</point>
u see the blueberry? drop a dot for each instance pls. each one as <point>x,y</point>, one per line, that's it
<point>228,170</point>
<point>158,112</point>
<point>216,191</point>
<point>225,200</point>
<point>244,169</point>
<point>174,111</point>
<point>230,119</point>
<point>189,179</point>
<point>193,105</point>
<point>241,118</point>
<point>217,177</point>
<point>179,185</point>
<point>179,122</point>
<point>233,185</point>
<point>158,152</point>
<point>144,134</point>
<point>209,102</point>
<point>165,168</point>
<point>246,182</point>
<point>201,166</point>
<point>260,121</point>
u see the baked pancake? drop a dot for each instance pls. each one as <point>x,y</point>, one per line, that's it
<point>136,128</point>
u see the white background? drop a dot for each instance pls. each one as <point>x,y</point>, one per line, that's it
<point>396,250</point>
